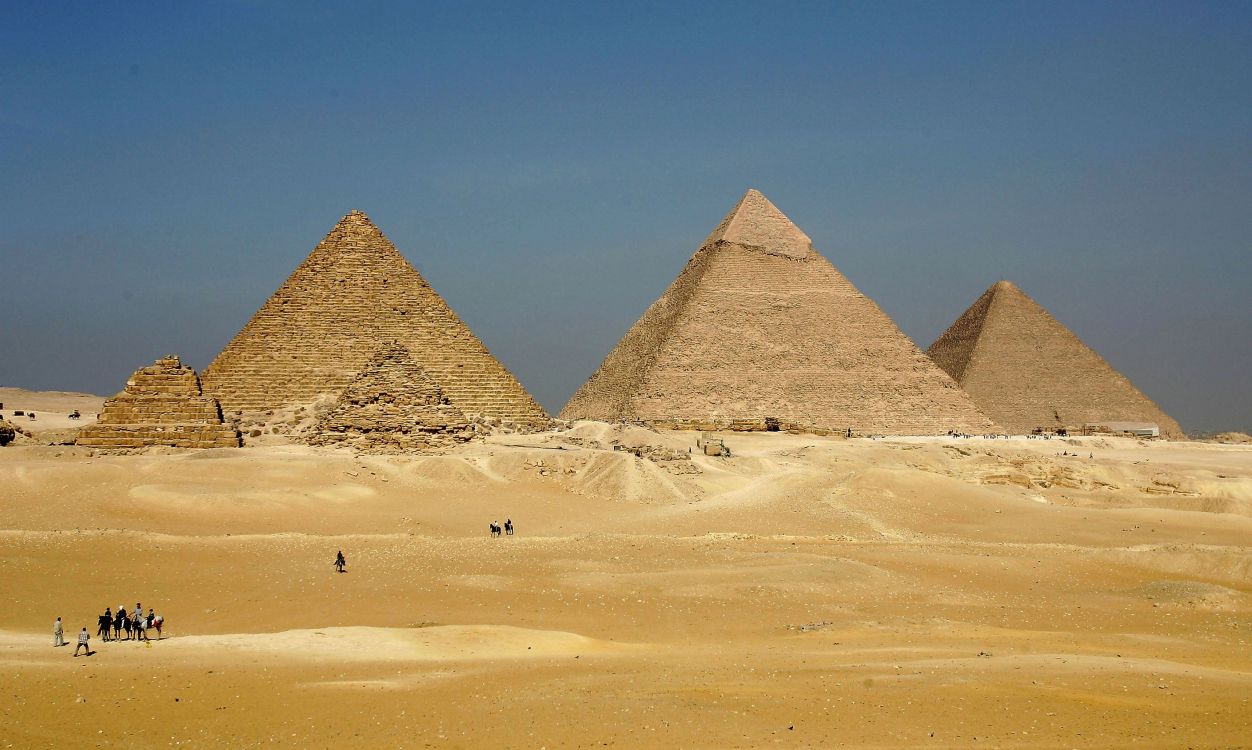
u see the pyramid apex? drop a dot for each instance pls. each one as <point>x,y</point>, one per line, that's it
<point>756,222</point>
<point>1004,285</point>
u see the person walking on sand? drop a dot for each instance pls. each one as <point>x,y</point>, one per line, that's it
<point>58,633</point>
<point>83,638</point>
<point>340,561</point>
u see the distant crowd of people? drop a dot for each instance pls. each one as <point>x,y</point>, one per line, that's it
<point>993,436</point>
<point>114,626</point>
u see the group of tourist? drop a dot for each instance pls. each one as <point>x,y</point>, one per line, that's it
<point>110,626</point>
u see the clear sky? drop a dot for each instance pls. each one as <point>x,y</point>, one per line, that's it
<point>551,167</point>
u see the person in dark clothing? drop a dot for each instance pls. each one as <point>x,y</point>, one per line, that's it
<point>104,624</point>
<point>340,562</point>
<point>117,625</point>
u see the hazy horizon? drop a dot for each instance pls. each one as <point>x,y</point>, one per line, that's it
<point>550,170</point>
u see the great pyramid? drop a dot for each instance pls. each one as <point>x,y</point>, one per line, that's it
<point>1025,369</point>
<point>759,331</point>
<point>350,295</point>
<point>162,404</point>
<point>392,407</point>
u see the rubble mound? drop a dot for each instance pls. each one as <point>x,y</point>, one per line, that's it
<point>392,407</point>
<point>1232,438</point>
<point>162,404</point>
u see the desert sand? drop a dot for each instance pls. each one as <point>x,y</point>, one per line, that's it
<point>804,592</point>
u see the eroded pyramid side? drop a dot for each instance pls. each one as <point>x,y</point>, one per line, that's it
<point>1027,370</point>
<point>354,292</point>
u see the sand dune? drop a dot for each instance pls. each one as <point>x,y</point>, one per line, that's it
<point>805,592</point>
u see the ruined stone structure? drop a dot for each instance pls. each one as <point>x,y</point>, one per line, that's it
<point>392,407</point>
<point>162,404</point>
<point>759,331</point>
<point>1026,370</point>
<point>351,294</point>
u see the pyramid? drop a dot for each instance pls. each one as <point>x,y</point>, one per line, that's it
<point>162,404</point>
<point>759,331</point>
<point>392,407</point>
<point>350,295</point>
<point>1025,369</point>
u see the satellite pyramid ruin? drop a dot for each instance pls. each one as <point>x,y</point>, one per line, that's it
<point>392,407</point>
<point>1025,369</point>
<point>354,292</point>
<point>759,331</point>
<point>162,404</point>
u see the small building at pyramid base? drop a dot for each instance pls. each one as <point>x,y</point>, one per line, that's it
<point>391,406</point>
<point>161,405</point>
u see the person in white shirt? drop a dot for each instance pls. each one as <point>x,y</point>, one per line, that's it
<point>58,633</point>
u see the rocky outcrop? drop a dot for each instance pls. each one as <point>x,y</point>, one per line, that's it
<point>393,407</point>
<point>162,404</point>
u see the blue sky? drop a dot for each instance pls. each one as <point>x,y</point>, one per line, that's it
<point>551,168</point>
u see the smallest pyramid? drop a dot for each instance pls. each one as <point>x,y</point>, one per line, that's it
<point>1026,370</point>
<point>162,404</point>
<point>391,406</point>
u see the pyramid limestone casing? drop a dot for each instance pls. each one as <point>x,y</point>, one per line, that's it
<point>1025,369</point>
<point>162,404</point>
<point>759,325</point>
<point>350,295</point>
<point>392,407</point>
